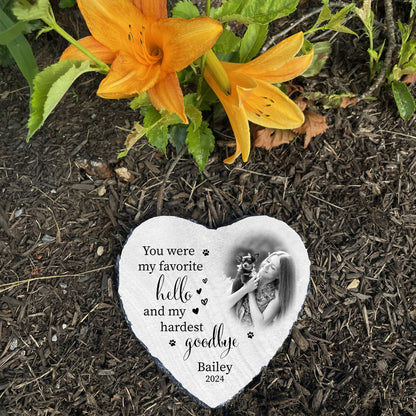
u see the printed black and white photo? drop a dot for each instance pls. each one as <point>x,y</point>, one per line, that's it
<point>262,287</point>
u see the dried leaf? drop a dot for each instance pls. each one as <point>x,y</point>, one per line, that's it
<point>269,138</point>
<point>314,125</point>
<point>124,174</point>
<point>35,271</point>
<point>95,167</point>
<point>409,79</point>
<point>301,103</point>
<point>346,101</point>
<point>354,284</point>
<point>292,88</point>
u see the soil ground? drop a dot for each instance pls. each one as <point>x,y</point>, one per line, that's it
<point>65,348</point>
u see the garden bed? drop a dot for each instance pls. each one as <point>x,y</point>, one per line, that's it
<point>68,205</point>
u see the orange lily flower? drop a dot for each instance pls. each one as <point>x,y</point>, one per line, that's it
<point>145,48</point>
<point>247,94</point>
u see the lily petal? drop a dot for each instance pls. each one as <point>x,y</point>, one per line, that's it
<point>290,70</point>
<point>98,49</point>
<point>232,158</point>
<point>269,107</point>
<point>275,57</point>
<point>152,9</point>
<point>242,84</point>
<point>239,124</point>
<point>236,115</point>
<point>127,78</point>
<point>112,22</point>
<point>167,94</point>
<point>184,40</point>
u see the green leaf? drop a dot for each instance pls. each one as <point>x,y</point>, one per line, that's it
<point>191,99</point>
<point>201,143</point>
<point>321,52</point>
<point>252,41</point>
<point>373,54</point>
<point>194,115</point>
<point>365,13</point>
<point>407,52</point>
<point>64,4</point>
<point>404,99</point>
<point>334,21</point>
<point>170,118</point>
<point>227,42</point>
<point>156,125</point>
<point>41,9</point>
<point>151,118</point>
<point>324,15</point>
<point>340,16</point>
<point>44,29</point>
<point>140,101</point>
<point>161,118</point>
<point>341,29</point>
<point>405,31</point>
<point>192,111</point>
<point>185,9</point>
<point>5,58</point>
<point>155,131</point>
<point>186,75</point>
<point>307,46</point>
<point>409,68</point>
<point>6,36</point>
<point>254,11</point>
<point>177,136</point>
<point>208,97</point>
<point>158,137</point>
<point>131,139</point>
<point>20,50</point>
<point>50,86</point>
<point>5,5</point>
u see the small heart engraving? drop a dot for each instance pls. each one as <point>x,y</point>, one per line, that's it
<point>205,280</point>
<point>195,311</point>
<point>204,301</point>
<point>199,291</point>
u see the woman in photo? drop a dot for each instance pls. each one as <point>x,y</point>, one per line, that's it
<point>268,292</point>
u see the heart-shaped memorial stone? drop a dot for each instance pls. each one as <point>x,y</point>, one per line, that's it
<point>212,307</point>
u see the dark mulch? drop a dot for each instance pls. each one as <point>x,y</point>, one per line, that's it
<point>65,348</point>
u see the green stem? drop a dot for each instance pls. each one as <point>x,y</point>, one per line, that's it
<point>201,78</point>
<point>203,59</point>
<point>104,68</point>
<point>372,69</point>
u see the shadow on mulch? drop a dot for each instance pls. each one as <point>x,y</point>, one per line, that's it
<point>65,347</point>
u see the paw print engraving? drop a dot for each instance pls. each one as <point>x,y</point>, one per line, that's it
<point>172,342</point>
<point>250,334</point>
<point>205,252</point>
